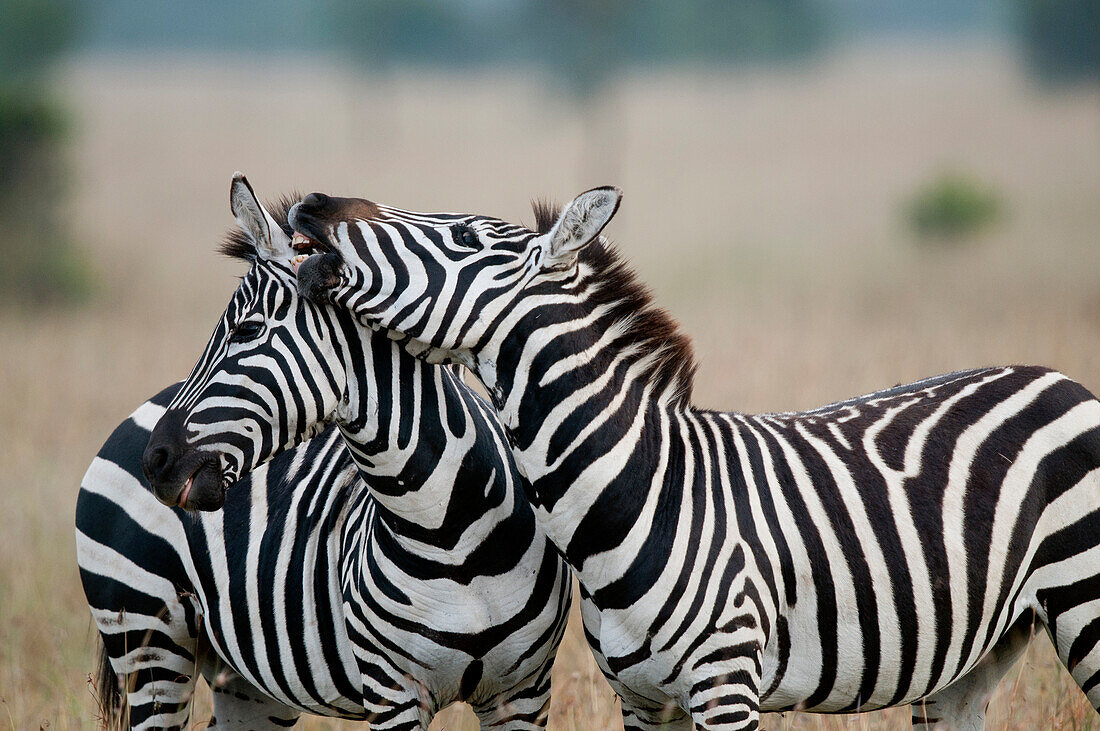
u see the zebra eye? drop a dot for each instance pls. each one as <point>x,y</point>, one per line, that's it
<point>246,331</point>
<point>465,235</point>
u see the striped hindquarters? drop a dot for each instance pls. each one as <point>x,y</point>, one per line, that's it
<point>258,583</point>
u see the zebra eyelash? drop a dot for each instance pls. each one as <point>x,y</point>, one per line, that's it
<point>246,331</point>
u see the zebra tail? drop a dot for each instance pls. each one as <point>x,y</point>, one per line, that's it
<point>108,693</point>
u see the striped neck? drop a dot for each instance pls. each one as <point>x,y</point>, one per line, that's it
<point>579,382</point>
<point>411,429</point>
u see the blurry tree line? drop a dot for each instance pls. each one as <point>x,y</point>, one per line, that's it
<point>577,41</point>
<point>580,44</point>
<point>580,40</point>
<point>39,261</point>
<point>1061,38</point>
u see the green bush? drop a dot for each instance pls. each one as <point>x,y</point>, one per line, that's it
<point>1060,38</point>
<point>41,264</point>
<point>952,207</point>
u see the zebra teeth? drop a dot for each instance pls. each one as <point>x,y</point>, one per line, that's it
<point>301,242</point>
<point>297,262</point>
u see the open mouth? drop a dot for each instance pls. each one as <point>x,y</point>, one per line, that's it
<point>306,245</point>
<point>185,492</point>
<point>303,243</point>
<point>311,242</point>
<point>308,237</point>
<point>205,488</point>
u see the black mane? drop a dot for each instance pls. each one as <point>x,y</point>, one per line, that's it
<point>237,244</point>
<point>546,214</point>
<point>651,330</point>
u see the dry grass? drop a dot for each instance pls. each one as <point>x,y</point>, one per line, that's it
<point>763,208</point>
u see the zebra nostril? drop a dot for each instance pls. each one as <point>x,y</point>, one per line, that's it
<point>315,200</point>
<point>157,462</point>
<point>166,446</point>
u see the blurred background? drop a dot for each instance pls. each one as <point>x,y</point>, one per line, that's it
<point>831,195</point>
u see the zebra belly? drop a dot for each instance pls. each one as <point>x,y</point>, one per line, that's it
<point>917,537</point>
<point>802,677</point>
<point>855,648</point>
<point>900,635</point>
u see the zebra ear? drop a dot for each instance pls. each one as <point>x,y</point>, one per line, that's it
<point>581,221</point>
<point>267,235</point>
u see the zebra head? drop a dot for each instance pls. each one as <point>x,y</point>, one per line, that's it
<point>265,382</point>
<point>448,281</point>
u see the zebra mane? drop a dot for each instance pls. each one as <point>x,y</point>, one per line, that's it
<point>237,244</point>
<point>647,329</point>
<point>546,214</point>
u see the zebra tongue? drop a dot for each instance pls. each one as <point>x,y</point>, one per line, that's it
<point>185,492</point>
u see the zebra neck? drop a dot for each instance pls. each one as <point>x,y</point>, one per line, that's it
<point>586,421</point>
<point>425,448</point>
<point>584,348</point>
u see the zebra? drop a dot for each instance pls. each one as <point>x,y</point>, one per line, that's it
<point>895,548</point>
<point>383,569</point>
<point>159,581</point>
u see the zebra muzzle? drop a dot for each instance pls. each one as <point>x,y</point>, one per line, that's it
<point>179,474</point>
<point>204,489</point>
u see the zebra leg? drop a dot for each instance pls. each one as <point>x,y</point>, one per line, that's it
<point>526,706</point>
<point>156,696</point>
<point>163,703</point>
<point>669,718</point>
<point>1075,631</point>
<point>240,705</point>
<point>730,702</point>
<point>961,706</point>
<point>406,706</point>
<point>153,659</point>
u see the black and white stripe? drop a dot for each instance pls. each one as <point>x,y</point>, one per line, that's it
<point>895,548</point>
<point>249,596</point>
<point>380,571</point>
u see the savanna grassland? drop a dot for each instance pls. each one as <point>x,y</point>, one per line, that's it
<point>766,208</point>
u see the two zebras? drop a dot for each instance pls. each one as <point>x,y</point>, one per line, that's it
<point>896,548</point>
<point>381,571</point>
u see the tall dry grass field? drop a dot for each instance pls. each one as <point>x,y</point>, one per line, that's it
<point>763,207</point>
